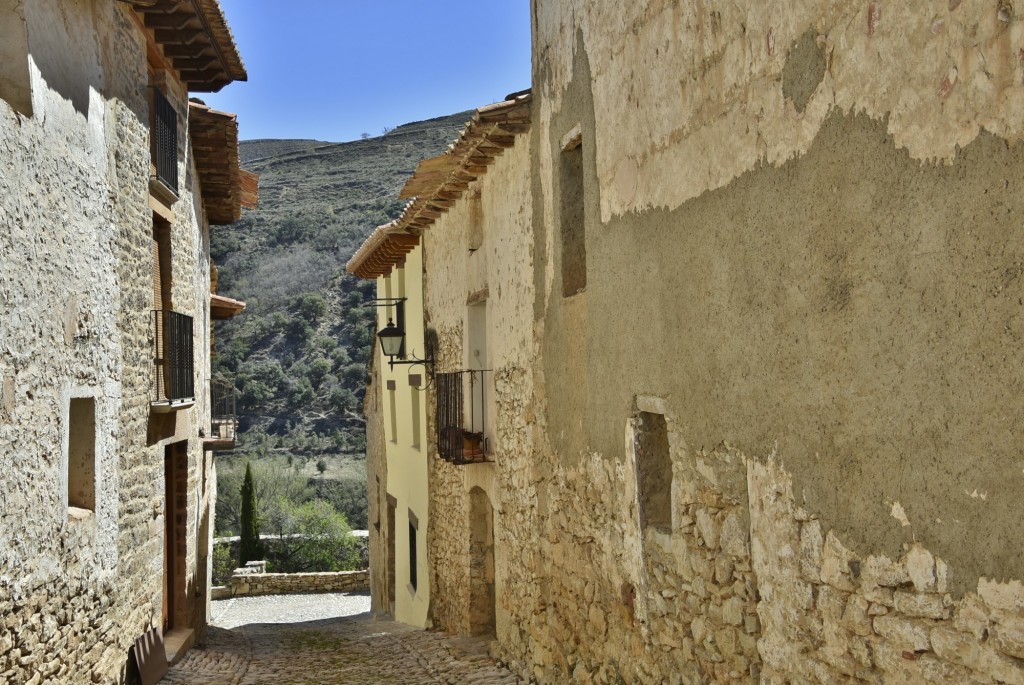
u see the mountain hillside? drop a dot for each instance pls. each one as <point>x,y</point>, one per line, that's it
<point>299,352</point>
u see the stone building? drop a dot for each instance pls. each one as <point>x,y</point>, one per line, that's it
<point>109,181</point>
<point>753,313</point>
<point>398,443</point>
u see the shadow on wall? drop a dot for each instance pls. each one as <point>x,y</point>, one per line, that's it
<point>61,43</point>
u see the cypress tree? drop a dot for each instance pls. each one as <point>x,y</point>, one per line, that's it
<point>249,547</point>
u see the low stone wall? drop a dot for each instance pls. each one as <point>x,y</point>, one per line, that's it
<point>298,583</point>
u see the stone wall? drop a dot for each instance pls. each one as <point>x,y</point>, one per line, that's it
<point>802,251</point>
<point>502,215</point>
<point>298,583</point>
<point>78,587</point>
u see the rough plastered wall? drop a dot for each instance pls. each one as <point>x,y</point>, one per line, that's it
<point>75,298</point>
<point>500,204</point>
<point>802,249</point>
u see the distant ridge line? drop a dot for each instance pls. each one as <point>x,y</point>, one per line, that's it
<point>412,127</point>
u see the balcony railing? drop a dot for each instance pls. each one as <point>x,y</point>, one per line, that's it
<point>173,360</point>
<point>165,141</point>
<point>223,415</point>
<point>462,417</point>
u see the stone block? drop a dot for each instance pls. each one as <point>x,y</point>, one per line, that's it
<point>855,616</point>
<point>960,648</point>
<point>1008,636</point>
<point>972,616</point>
<point>906,634</point>
<point>923,605</point>
<point>881,571</point>
<point>733,537</point>
<point>708,528</point>
<point>811,549</point>
<point>835,564</point>
<point>921,568</point>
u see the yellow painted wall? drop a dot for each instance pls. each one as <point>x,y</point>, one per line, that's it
<point>405,422</point>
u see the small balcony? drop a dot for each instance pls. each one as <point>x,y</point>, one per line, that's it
<point>173,362</point>
<point>461,417</point>
<point>223,416</point>
<point>164,148</point>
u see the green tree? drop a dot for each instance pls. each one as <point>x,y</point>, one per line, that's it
<point>318,368</point>
<point>312,536</point>
<point>310,306</point>
<point>249,548</point>
<point>302,393</point>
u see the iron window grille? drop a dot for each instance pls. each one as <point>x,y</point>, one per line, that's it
<point>223,411</point>
<point>173,358</point>
<point>165,141</point>
<point>461,417</point>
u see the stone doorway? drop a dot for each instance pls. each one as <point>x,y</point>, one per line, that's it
<point>481,564</point>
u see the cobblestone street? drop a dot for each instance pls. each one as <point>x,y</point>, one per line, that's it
<point>327,639</point>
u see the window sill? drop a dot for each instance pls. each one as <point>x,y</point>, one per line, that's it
<point>78,514</point>
<point>167,406</point>
<point>162,199</point>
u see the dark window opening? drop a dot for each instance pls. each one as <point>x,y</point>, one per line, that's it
<point>82,453</point>
<point>654,470</point>
<point>571,219</point>
<point>165,141</point>
<point>412,552</point>
<point>174,358</point>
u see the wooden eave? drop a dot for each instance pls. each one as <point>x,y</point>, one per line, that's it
<point>195,39</point>
<point>222,308</point>
<point>225,187</point>
<point>384,250</point>
<point>439,182</point>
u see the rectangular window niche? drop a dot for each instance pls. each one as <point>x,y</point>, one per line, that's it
<point>571,215</point>
<point>653,471</point>
<point>413,561</point>
<point>81,455</point>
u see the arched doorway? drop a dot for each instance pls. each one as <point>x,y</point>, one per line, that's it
<point>481,563</point>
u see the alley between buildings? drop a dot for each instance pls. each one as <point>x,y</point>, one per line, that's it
<point>328,639</point>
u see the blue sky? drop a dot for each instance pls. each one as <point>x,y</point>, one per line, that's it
<point>334,69</point>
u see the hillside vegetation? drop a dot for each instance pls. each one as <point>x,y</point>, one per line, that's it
<point>298,355</point>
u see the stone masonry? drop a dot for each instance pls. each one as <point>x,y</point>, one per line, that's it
<point>298,583</point>
<point>81,581</point>
<point>800,253</point>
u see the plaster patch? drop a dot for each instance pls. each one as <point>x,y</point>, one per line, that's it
<point>899,514</point>
<point>1007,596</point>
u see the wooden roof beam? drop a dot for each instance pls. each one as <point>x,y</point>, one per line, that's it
<point>175,22</point>
<point>197,64</point>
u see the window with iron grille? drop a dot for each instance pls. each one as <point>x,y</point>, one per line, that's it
<point>461,417</point>
<point>173,357</point>
<point>223,414</point>
<point>165,141</point>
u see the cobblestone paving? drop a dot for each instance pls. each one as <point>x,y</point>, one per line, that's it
<point>328,640</point>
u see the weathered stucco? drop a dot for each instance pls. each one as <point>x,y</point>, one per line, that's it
<point>76,294</point>
<point>803,251</point>
<point>403,470</point>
